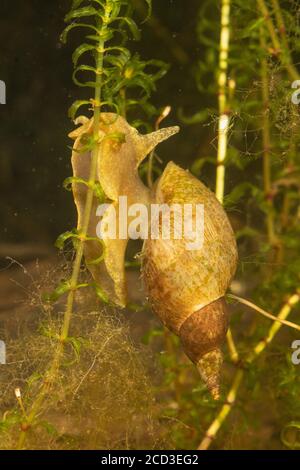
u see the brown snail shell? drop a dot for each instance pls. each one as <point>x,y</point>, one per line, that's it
<point>186,287</point>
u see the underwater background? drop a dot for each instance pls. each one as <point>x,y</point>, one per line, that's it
<point>126,382</point>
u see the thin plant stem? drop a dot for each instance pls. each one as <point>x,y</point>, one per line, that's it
<point>226,408</point>
<point>232,395</point>
<point>20,402</point>
<point>283,314</point>
<point>223,126</point>
<point>280,22</point>
<point>282,31</point>
<point>51,374</point>
<point>282,52</point>
<point>233,352</point>
<point>270,25</point>
<point>285,213</point>
<point>266,135</point>
<point>264,312</point>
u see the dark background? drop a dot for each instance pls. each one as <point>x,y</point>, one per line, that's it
<point>37,69</point>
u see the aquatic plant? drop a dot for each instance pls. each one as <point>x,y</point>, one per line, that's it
<point>120,83</point>
<point>244,86</point>
<point>254,111</point>
<point>101,388</point>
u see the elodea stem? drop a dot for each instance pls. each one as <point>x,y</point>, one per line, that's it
<point>51,374</point>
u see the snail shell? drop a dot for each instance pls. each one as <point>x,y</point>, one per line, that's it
<point>186,287</point>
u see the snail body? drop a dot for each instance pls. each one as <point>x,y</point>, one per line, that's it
<point>185,287</point>
<point>117,174</point>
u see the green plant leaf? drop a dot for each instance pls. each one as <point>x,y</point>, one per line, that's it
<point>64,35</point>
<point>75,107</point>
<point>80,13</point>
<point>196,118</point>
<point>59,291</point>
<point>239,191</point>
<point>101,294</point>
<point>149,4</point>
<point>131,24</point>
<point>82,49</point>
<point>61,240</point>
<point>76,344</point>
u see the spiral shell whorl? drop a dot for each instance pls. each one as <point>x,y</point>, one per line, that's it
<point>209,367</point>
<point>204,330</point>
<point>201,336</point>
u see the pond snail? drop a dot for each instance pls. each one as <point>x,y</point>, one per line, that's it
<point>185,287</point>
